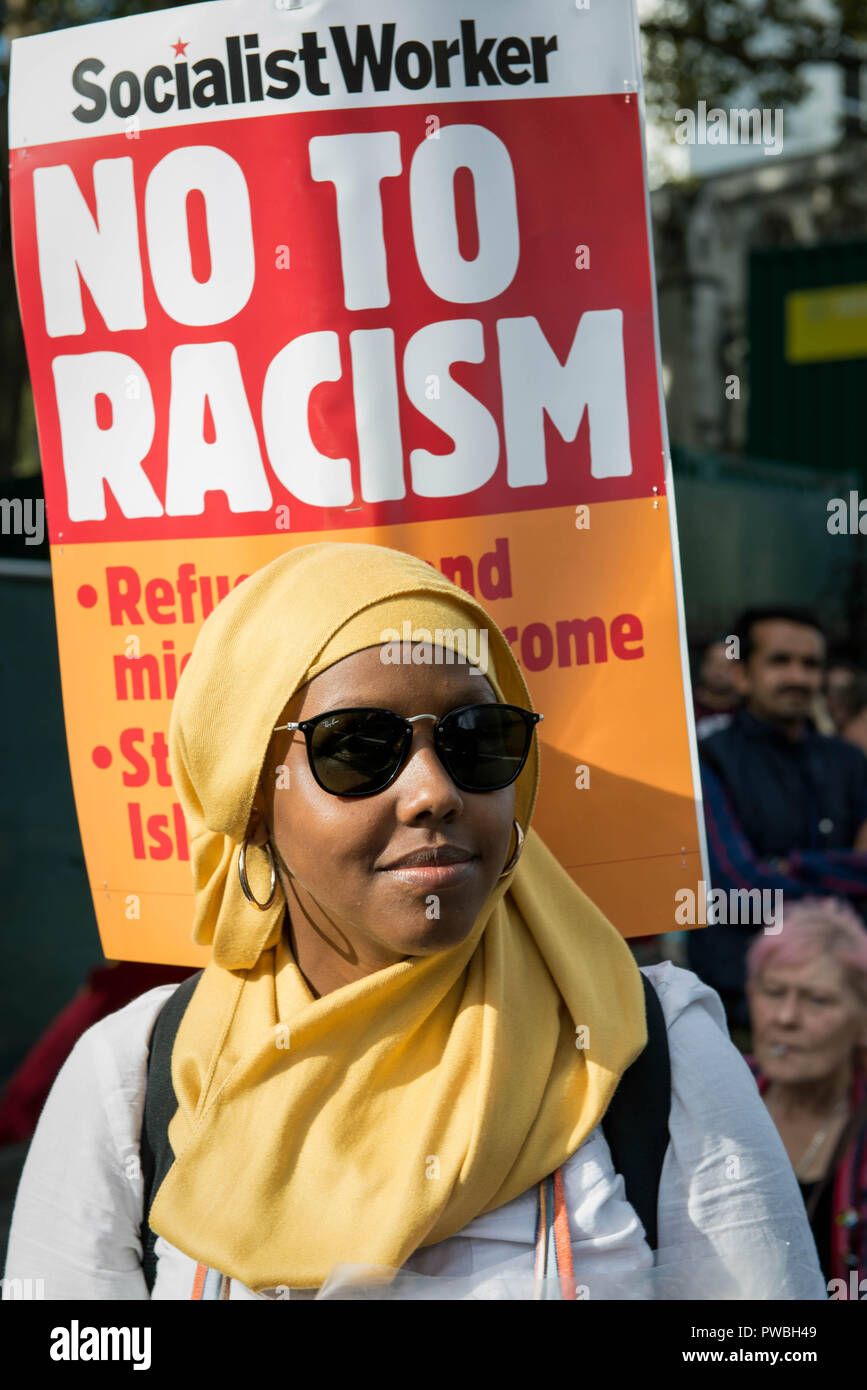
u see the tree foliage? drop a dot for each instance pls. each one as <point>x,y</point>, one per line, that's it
<point>710,49</point>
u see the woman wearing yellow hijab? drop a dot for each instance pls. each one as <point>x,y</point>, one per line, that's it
<point>411,1016</point>
<point>448,1037</point>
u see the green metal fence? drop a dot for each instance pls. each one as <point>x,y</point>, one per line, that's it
<point>754,531</point>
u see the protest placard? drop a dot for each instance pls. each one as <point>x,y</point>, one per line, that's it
<point>288,276</point>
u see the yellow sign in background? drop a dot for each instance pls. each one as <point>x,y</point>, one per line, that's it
<point>826,325</point>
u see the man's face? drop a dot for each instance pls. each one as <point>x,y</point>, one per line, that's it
<point>783,674</point>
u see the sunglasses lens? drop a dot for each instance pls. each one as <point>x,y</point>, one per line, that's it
<point>485,747</point>
<point>356,752</point>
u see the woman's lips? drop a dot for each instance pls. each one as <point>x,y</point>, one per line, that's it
<point>433,875</point>
<point>439,868</point>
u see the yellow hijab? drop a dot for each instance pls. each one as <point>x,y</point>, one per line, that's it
<point>386,1115</point>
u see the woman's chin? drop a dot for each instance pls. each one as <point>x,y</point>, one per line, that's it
<point>788,1068</point>
<point>429,938</point>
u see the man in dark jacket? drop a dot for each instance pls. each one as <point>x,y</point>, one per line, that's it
<point>785,806</point>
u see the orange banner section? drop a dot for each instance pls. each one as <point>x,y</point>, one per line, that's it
<point>586,597</point>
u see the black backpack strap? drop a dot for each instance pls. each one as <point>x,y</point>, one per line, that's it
<point>159,1109</point>
<point>635,1124</point>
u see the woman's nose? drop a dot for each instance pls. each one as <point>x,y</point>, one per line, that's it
<point>424,787</point>
<point>787,1010</point>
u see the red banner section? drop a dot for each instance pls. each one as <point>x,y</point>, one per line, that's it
<point>340,319</point>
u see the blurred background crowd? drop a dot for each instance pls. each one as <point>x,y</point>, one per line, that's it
<point>781,720</point>
<point>761,266</point>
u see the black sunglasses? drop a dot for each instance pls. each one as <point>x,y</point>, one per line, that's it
<point>358,752</point>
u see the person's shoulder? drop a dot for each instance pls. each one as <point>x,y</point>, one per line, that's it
<point>119,1043</point>
<point>754,1067</point>
<point>719,742</point>
<point>841,751</point>
<point>711,1078</point>
<point>710,724</point>
<point>101,1085</point>
<point>80,1193</point>
<point>715,736</point>
<point>680,991</point>
<point>139,1014</point>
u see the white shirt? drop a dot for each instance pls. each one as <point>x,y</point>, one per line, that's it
<point>731,1219</point>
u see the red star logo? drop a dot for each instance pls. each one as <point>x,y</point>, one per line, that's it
<point>180,49</point>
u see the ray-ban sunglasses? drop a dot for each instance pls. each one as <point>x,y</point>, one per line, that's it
<point>358,752</point>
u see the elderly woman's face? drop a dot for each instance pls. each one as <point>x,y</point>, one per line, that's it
<point>347,852</point>
<point>806,1020</point>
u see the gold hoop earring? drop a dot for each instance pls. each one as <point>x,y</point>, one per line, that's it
<point>242,875</point>
<point>517,854</point>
